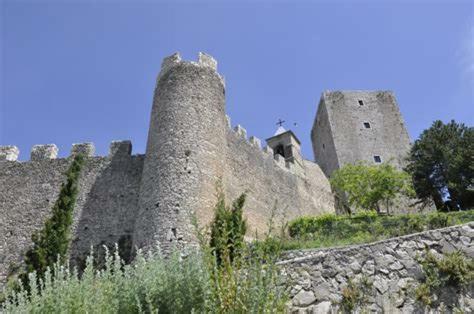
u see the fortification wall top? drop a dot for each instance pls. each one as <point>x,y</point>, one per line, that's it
<point>273,186</point>
<point>204,60</point>
<point>104,213</point>
<point>41,152</point>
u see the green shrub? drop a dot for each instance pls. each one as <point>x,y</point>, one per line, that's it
<point>371,187</point>
<point>438,220</point>
<point>355,295</point>
<point>414,224</point>
<point>198,282</point>
<point>228,228</point>
<point>365,226</point>
<point>453,269</point>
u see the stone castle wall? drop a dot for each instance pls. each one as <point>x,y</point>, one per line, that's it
<point>105,211</point>
<point>152,197</point>
<point>271,183</point>
<point>318,276</point>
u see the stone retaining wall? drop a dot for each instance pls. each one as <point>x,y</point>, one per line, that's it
<point>388,270</point>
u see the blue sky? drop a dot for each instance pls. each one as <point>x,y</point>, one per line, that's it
<point>76,71</point>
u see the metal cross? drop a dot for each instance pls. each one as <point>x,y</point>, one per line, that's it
<point>280,122</point>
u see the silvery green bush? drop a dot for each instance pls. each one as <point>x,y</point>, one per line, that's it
<point>153,283</point>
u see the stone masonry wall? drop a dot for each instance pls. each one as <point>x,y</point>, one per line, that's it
<point>317,277</point>
<point>387,136</point>
<point>340,137</point>
<point>184,154</point>
<point>269,182</point>
<point>105,210</point>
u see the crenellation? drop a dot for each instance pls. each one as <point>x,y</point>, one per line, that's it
<point>87,149</point>
<point>255,141</point>
<point>240,131</point>
<point>268,150</point>
<point>9,153</point>
<point>168,63</point>
<point>120,149</point>
<point>42,152</point>
<point>191,144</point>
<point>206,60</point>
<point>280,160</point>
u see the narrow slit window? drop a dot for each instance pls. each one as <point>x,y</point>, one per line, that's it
<point>361,103</point>
<point>367,125</point>
<point>377,159</point>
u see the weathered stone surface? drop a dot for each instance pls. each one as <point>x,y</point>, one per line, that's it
<point>322,308</point>
<point>340,137</point>
<point>105,211</point>
<point>151,197</point>
<point>304,298</point>
<point>393,276</point>
<point>381,284</point>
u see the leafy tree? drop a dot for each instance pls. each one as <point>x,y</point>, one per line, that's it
<point>441,163</point>
<point>52,242</point>
<point>371,187</point>
<point>228,228</point>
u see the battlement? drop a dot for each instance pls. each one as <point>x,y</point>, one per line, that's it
<point>50,151</point>
<point>267,152</point>
<point>47,151</point>
<point>204,60</point>
<point>9,153</point>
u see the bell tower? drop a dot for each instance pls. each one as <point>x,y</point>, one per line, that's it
<point>285,144</point>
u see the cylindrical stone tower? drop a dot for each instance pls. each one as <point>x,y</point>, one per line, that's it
<point>185,153</point>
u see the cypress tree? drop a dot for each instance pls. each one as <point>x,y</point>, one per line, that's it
<point>52,241</point>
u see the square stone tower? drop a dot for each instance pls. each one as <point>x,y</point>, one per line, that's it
<point>355,126</point>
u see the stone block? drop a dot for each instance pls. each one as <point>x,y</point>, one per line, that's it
<point>255,142</point>
<point>304,298</point>
<point>41,152</point>
<point>120,148</point>
<point>241,131</point>
<point>9,153</point>
<point>268,150</point>
<point>87,149</point>
<point>207,60</point>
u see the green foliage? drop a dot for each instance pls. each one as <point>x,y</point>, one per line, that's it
<point>438,220</point>
<point>250,282</point>
<point>366,226</point>
<point>228,228</point>
<point>355,295</point>
<point>151,283</point>
<point>52,241</point>
<point>244,277</point>
<point>371,187</point>
<point>453,270</point>
<point>442,160</point>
